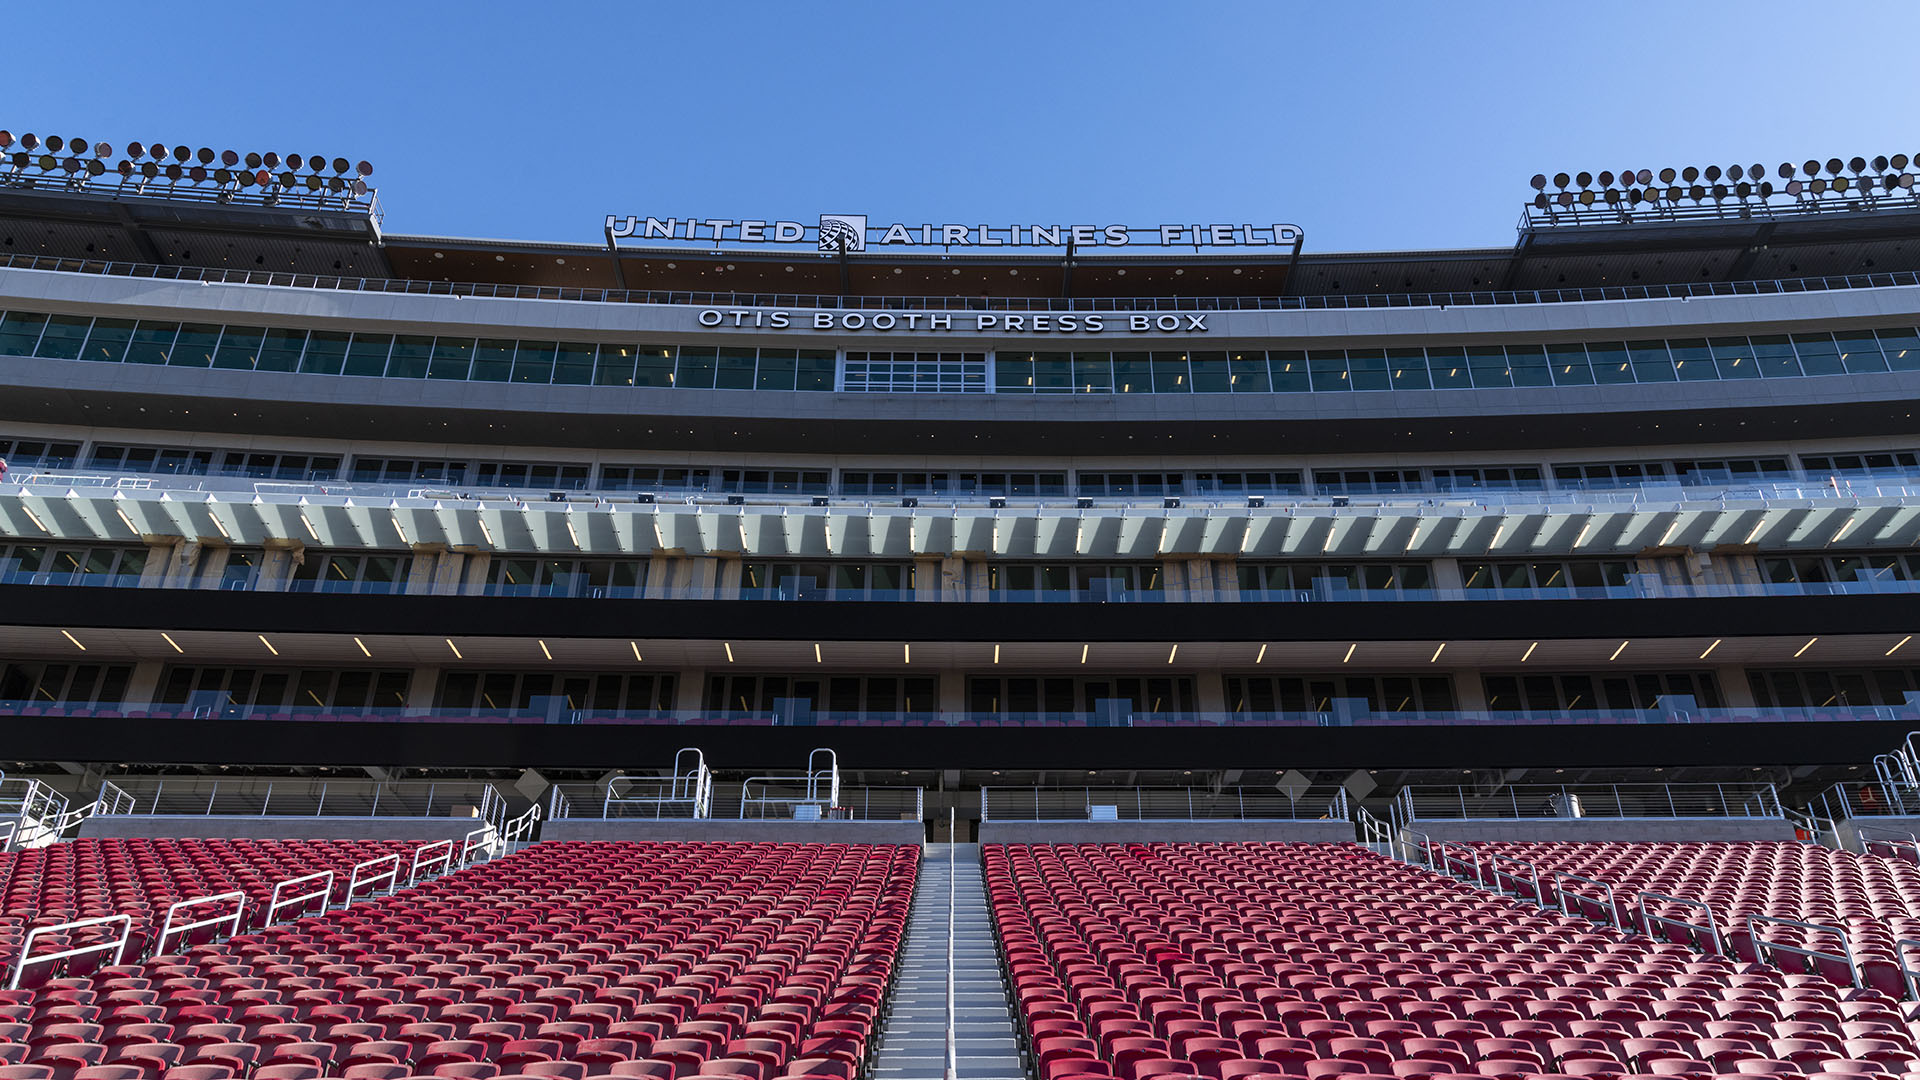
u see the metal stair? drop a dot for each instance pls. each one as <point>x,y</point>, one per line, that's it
<point>913,1045</point>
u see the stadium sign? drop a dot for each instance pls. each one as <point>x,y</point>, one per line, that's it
<point>851,233</point>
<point>995,322</point>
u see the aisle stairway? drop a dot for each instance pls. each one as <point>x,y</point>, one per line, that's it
<point>913,1047</point>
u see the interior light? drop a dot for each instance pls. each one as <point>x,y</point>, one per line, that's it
<point>635,646</point>
<point>1710,648</point>
<point>544,651</point>
<point>1083,651</point>
<point>906,653</point>
<point>1617,652</point>
<point>456,649</point>
<point>76,641</point>
<point>363,648</point>
<point>1897,644</point>
<point>996,654</point>
<point>1525,655</point>
<point>816,653</point>
<point>268,644</point>
<point>1173,652</point>
<point>168,638</point>
<point>1805,647</point>
<point>1350,650</point>
<point>1261,655</point>
<point>1435,658</point>
<point>728,646</point>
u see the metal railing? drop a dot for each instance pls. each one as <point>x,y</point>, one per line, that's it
<point>1464,298</point>
<point>214,796</point>
<point>1022,804</point>
<point>1648,920</point>
<point>1763,949</point>
<point>1867,799</point>
<point>34,813</point>
<point>1570,801</point>
<point>953,907</point>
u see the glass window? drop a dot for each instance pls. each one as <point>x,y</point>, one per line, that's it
<point>777,368</point>
<point>1328,368</point>
<point>614,366</point>
<point>1209,370</point>
<point>452,358</point>
<point>326,352</point>
<point>573,364</point>
<point>410,357</point>
<point>492,360</point>
<point>368,354</point>
<point>1449,368</point>
<point>1528,363</point>
<point>816,370</point>
<point>1733,358</point>
<point>1132,373</point>
<point>1249,373</point>
<point>1692,360</point>
<point>64,337</point>
<point>1368,368</point>
<point>696,367</point>
<point>1774,354</point>
<point>1289,371</point>
<point>736,369</point>
<point>1092,373</point>
<point>653,366</point>
<point>1651,361</point>
<point>20,330</point>
<point>239,348</point>
<point>108,340</point>
<point>1488,365</point>
<point>1013,373</point>
<point>1818,354</point>
<point>1901,347</point>
<point>152,341</point>
<point>1568,362</point>
<point>1052,373</point>
<point>1860,350</point>
<point>194,347</point>
<point>1610,363</point>
<point>533,362</point>
<point>1170,373</point>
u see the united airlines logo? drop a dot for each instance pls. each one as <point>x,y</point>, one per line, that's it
<point>838,231</point>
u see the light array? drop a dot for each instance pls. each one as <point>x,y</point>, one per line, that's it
<point>1812,185</point>
<point>79,162</point>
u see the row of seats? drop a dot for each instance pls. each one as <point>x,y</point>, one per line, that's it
<point>566,961</point>
<point>86,878</point>
<point>1874,899</point>
<point>1142,961</point>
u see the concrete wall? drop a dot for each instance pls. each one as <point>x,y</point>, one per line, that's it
<point>1112,832</point>
<point>832,832</point>
<point>277,827</point>
<point>1625,829</point>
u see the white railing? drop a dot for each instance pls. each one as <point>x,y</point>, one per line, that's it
<point>1005,804</point>
<point>371,875</point>
<point>168,928</point>
<point>427,856</point>
<point>118,944</point>
<point>280,902</point>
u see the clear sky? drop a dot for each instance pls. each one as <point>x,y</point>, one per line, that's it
<point>1372,125</point>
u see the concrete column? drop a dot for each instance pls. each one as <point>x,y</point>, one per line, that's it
<point>162,553</point>
<point>1200,581</point>
<point>1468,692</point>
<point>1226,580</point>
<point>928,581</point>
<point>660,575</point>
<point>422,686</point>
<point>180,567</point>
<point>474,573</point>
<point>703,577</point>
<point>1174,574</point>
<point>978,578</point>
<point>1210,690</point>
<point>423,568</point>
<point>1446,574</point>
<point>953,577</point>
<point>690,693</point>
<point>144,683</point>
<point>727,577</point>
<point>1734,687</point>
<point>277,564</point>
<point>953,693</point>
<point>450,570</point>
<point>213,562</point>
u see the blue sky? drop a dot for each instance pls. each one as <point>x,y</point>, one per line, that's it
<point>1372,125</point>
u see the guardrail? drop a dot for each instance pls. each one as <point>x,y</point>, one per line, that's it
<point>1004,804</point>
<point>1473,298</point>
<point>1589,801</point>
<point>213,796</point>
<point>1867,799</point>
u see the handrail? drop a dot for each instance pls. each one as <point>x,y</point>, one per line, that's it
<point>1647,919</point>
<point>477,840</point>
<point>1501,877</point>
<point>1907,971</point>
<point>1448,861</point>
<point>1613,919</point>
<point>421,860</point>
<point>118,945</point>
<point>953,892</point>
<point>1762,948</point>
<point>390,875</point>
<point>324,894</point>
<point>1465,298</point>
<point>1911,840</point>
<point>519,830</point>
<point>168,929</point>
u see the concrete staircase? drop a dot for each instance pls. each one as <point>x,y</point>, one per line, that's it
<point>913,1046</point>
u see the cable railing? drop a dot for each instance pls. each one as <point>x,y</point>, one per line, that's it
<point>635,798</point>
<point>302,797</point>
<point>1573,801</point>
<point>1437,299</point>
<point>1017,804</point>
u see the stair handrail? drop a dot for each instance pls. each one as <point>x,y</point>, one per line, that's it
<point>118,944</point>
<point>1647,919</point>
<point>324,894</point>
<point>380,868</point>
<point>168,929</point>
<point>1763,948</point>
<point>953,892</point>
<point>1902,839</point>
<point>1613,918</point>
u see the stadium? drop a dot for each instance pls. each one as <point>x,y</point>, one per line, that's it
<point>861,649</point>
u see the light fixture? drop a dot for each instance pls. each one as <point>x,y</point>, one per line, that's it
<point>268,644</point>
<point>906,653</point>
<point>1435,658</point>
<point>635,646</point>
<point>1083,651</point>
<point>363,648</point>
<point>816,653</point>
<point>1349,655</point>
<point>728,646</point>
<point>1525,655</point>
<point>1617,652</point>
<point>456,649</point>
<point>127,521</point>
<point>484,531</point>
<point>168,638</point>
<point>1805,647</point>
<point>544,651</point>
<point>1897,644</point>
<point>996,654</point>
<point>1173,652</point>
<point>1710,648</point>
<point>35,518</point>
<point>1262,654</point>
<point>68,634</point>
